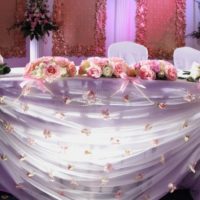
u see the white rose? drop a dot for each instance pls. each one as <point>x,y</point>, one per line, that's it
<point>63,71</point>
<point>1,60</point>
<point>107,71</point>
<point>195,71</point>
<point>38,73</point>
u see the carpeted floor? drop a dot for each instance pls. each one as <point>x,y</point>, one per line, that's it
<point>178,195</point>
<point>6,196</point>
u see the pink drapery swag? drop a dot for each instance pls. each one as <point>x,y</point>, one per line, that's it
<point>81,28</point>
<point>160,26</point>
<point>12,43</point>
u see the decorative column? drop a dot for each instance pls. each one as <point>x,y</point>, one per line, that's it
<point>34,49</point>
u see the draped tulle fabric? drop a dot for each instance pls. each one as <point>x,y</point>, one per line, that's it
<point>160,26</point>
<point>84,139</point>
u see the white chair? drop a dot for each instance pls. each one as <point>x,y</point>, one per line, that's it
<point>184,57</point>
<point>131,52</point>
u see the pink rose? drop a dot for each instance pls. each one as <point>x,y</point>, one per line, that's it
<point>81,70</point>
<point>94,72</point>
<point>137,66</point>
<point>52,72</point>
<point>28,69</point>
<point>31,66</point>
<point>61,61</point>
<point>71,69</point>
<point>155,66</point>
<point>170,72</point>
<point>44,59</point>
<point>146,73</point>
<point>119,68</point>
<point>101,62</point>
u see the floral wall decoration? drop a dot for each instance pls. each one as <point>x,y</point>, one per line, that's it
<point>12,43</point>
<point>81,28</point>
<point>160,26</point>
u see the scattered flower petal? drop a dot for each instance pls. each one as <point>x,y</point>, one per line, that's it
<point>104,181</point>
<point>162,105</point>
<point>88,152</point>
<point>126,98</point>
<point>30,174</point>
<point>148,127</point>
<point>47,134</point>
<point>162,159</point>
<point>67,100</point>
<point>108,168</point>
<point>114,140</point>
<point>86,131</point>
<point>22,157</point>
<point>139,177</point>
<point>2,100</point>
<point>192,168</point>
<point>186,138</point>
<point>4,157</point>
<point>185,124</point>
<point>70,167</point>
<point>24,106</point>
<point>171,187</point>
<point>118,194</point>
<point>105,113</point>
<point>189,97</point>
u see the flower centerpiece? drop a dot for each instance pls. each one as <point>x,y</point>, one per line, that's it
<point>49,69</point>
<point>155,69</point>
<point>37,22</point>
<point>194,72</point>
<point>97,67</point>
<point>4,69</point>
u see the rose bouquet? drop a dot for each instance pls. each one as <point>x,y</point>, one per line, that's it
<point>97,67</point>
<point>155,69</point>
<point>50,68</point>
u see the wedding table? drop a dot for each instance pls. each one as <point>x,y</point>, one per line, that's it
<point>98,139</point>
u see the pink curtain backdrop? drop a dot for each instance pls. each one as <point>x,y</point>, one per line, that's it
<point>160,26</point>
<point>82,28</point>
<point>12,43</point>
<point>120,25</point>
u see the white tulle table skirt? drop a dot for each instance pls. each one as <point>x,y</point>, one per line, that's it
<point>84,139</point>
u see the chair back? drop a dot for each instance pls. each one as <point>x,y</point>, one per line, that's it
<point>131,52</point>
<point>184,57</point>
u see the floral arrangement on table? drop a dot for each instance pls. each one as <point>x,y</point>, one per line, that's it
<point>37,22</point>
<point>155,70</point>
<point>192,74</point>
<point>4,69</point>
<point>49,69</point>
<point>97,67</point>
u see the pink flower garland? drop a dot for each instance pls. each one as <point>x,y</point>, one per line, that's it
<point>155,69</point>
<point>103,67</point>
<point>49,69</point>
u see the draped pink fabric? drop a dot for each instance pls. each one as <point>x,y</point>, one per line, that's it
<point>160,26</point>
<point>82,28</point>
<point>12,44</point>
